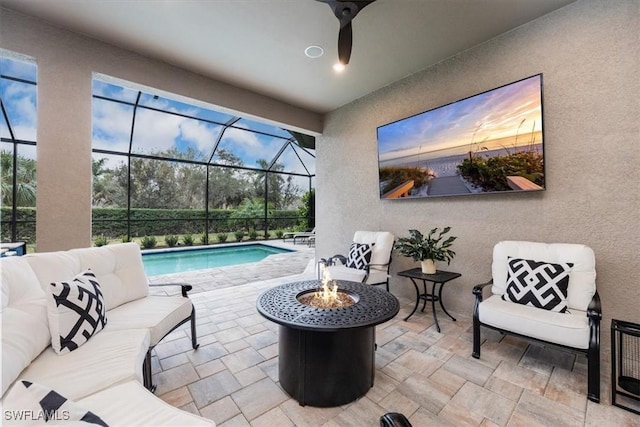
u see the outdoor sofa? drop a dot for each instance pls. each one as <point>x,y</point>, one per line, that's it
<point>98,367</point>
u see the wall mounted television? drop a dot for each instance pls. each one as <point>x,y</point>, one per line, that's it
<point>488,143</point>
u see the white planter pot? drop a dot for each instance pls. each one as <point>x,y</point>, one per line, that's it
<point>428,266</point>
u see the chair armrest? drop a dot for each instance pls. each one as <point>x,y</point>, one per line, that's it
<point>185,287</point>
<point>594,311</point>
<point>477,289</point>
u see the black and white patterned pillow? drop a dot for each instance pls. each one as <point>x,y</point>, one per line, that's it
<point>37,405</point>
<point>76,311</point>
<point>359,255</point>
<point>538,284</point>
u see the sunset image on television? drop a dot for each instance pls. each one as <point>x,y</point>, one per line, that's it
<point>490,142</point>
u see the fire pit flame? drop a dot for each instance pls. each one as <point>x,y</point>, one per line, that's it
<point>328,296</point>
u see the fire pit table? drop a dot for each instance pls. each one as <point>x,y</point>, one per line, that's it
<point>326,355</point>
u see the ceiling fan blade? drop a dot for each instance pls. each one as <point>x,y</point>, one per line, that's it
<point>345,11</point>
<point>345,42</point>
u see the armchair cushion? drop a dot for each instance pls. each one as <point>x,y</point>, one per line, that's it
<point>76,311</point>
<point>582,279</point>
<point>569,329</point>
<point>538,284</point>
<point>36,400</point>
<point>360,255</point>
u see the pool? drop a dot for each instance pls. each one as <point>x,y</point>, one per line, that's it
<point>176,261</point>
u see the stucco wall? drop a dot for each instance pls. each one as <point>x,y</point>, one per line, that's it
<point>589,55</point>
<point>66,63</point>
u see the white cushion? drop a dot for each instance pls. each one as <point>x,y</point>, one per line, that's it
<point>582,281</point>
<point>108,358</point>
<point>383,244</point>
<point>159,314</point>
<point>130,404</point>
<point>31,401</point>
<point>570,328</point>
<point>52,267</point>
<point>342,272</point>
<point>119,270</point>
<point>23,325</point>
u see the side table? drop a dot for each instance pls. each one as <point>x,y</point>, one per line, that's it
<point>438,280</point>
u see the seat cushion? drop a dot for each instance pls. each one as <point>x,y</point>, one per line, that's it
<point>24,324</point>
<point>130,404</point>
<point>159,314</point>
<point>383,240</point>
<point>342,272</point>
<point>570,328</point>
<point>31,401</point>
<point>108,358</point>
<point>582,279</point>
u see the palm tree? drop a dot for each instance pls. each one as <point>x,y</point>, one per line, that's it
<point>25,180</point>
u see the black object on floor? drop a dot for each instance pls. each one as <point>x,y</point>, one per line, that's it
<point>394,419</point>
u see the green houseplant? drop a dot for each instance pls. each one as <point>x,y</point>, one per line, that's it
<point>427,248</point>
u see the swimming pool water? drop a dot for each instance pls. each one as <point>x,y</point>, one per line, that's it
<point>200,259</point>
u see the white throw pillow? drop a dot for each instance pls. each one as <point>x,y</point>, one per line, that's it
<point>76,311</point>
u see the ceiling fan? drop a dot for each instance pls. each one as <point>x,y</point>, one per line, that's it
<point>345,11</point>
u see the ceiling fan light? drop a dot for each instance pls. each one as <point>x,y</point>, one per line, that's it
<point>339,67</point>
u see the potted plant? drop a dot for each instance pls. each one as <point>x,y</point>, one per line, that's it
<point>427,249</point>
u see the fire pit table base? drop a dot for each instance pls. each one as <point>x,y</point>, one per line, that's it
<point>326,369</point>
<point>326,355</point>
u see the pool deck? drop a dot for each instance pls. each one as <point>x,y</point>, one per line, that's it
<point>427,375</point>
<point>273,266</point>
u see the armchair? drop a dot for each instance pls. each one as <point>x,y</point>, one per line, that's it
<point>373,272</point>
<point>572,323</point>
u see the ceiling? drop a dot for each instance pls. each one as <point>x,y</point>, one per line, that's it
<point>259,45</point>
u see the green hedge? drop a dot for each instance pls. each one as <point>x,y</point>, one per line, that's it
<point>111,222</point>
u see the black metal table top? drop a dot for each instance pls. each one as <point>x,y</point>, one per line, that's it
<point>439,276</point>
<point>373,306</point>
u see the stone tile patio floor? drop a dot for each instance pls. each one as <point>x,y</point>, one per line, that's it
<point>428,376</point>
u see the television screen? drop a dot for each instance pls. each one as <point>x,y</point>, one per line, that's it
<point>488,143</point>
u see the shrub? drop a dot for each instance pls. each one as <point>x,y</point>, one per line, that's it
<point>204,238</point>
<point>171,240</point>
<point>253,234</point>
<point>239,235</point>
<point>222,237</point>
<point>187,239</point>
<point>148,242</point>
<point>101,240</point>
<point>279,234</point>
<point>125,238</point>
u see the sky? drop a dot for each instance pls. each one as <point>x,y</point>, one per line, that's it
<point>154,131</point>
<point>498,113</point>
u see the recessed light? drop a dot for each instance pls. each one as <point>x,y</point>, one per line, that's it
<point>314,51</point>
<point>339,67</point>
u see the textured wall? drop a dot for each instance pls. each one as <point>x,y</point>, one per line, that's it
<point>589,55</point>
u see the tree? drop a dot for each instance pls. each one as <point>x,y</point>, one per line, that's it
<point>25,180</point>
<point>228,186</point>
<point>282,192</point>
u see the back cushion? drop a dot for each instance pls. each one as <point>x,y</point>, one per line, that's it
<point>383,244</point>
<point>582,280</point>
<point>119,270</point>
<point>25,331</point>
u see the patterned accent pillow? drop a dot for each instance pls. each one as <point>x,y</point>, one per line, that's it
<point>359,255</point>
<point>76,311</point>
<point>33,404</point>
<point>538,284</point>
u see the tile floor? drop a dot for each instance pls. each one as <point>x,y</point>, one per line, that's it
<point>428,376</point>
